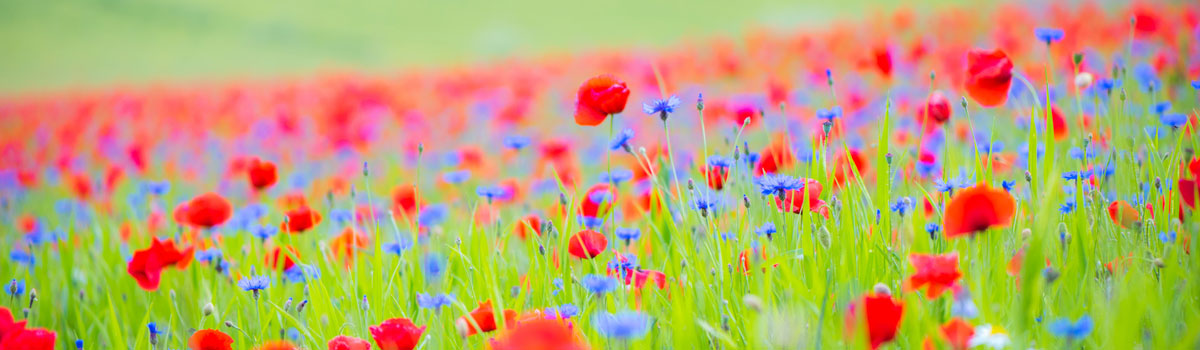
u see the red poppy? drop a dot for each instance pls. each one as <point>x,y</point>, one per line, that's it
<point>397,334</point>
<point>484,318</point>
<point>777,156</point>
<point>8,325</point>
<point>537,332</point>
<point>936,108</point>
<point>883,61</point>
<point>882,314</point>
<point>939,272</point>
<point>976,209</point>
<point>278,256</point>
<point>530,224</point>
<point>207,210</point>
<point>989,75</point>
<point>261,173</point>
<point>147,264</point>
<point>210,339</point>
<point>1060,123</point>
<point>587,244</point>
<point>793,200</point>
<point>715,176</point>
<point>29,339</point>
<point>1123,214</point>
<point>343,342</point>
<point>638,279</point>
<point>598,201</point>
<point>958,333</point>
<point>404,200</point>
<point>346,244</point>
<point>300,220</point>
<point>599,97</point>
<point>277,345</point>
<point>845,167</point>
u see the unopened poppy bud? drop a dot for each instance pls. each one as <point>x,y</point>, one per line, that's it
<point>420,147</point>
<point>888,157</point>
<point>230,324</point>
<point>562,199</point>
<point>882,289</point>
<point>1159,263</point>
<point>208,309</point>
<point>753,302</point>
<point>1122,95</point>
<point>1026,233</point>
<point>1158,183</point>
<point>824,237</point>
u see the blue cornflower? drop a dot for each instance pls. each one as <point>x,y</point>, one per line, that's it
<point>78,344</point>
<point>516,142</point>
<point>623,262</point>
<point>341,217</point>
<point>1174,120</point>
<point>301,273</point>
<point>1167,237</point>
<point>932,228</point>
<point>563,311</point>
<point>16,288</point>
<point>767,229</point>
<point>1196,84</point>
<point>623,325</point>
<point>963,306</point>
<point>1048,35</point>
<point>1070,175</point>
<point>628,233</point>
<point>1161,107</point>
<point>293,334</point>
<point>399,246</point>
<point>558,286</point>
<point>829,114</point>
<point>264,232</point>
<point>1146,75</point>
<point>704,203</point>
<point>1007,185</point>
<point>154,329</point>
<point>1067,207</point>
<point>426,301</point>
<point>254,283</point>
<point>21,257</point>
<point>617,176</point>
<point>208,255</point>
<point>777,184</point>
<point>1156,132</point>
<point>902,205</point>
<point>456,177</point>
<point>716,161</point>
<point>432,215</point>
<point>434,265</point>
<point>155,188</point>
<point>1063,327</point>
<point>590,222</point>
<point>621,141</point>
<point>598,284</point>
<point>491,192</point>
<point>986,148</point>
<point>661,107</point>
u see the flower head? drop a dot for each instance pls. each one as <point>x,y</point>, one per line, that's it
<point>989,75</point>
<point>210,339</point>
<point>254,283</point>
<point>622,325</point>
<point>977,209</point>
<point>1072,330</point>
<point>397,334</point>
<point>599,97</point>
<point>1048,35</point>
<point>621,140</point>
<point>937,272</point>
<point>598,284</point>
<point>661,107</point>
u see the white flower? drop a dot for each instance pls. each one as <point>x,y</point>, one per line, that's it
<point>1083,80</point>
<point>984,336</point>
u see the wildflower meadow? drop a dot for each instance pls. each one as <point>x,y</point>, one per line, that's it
<point>1024,177</point>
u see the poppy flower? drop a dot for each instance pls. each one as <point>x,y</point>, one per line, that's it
<point>29,339</point>
<point>793,200</point>
<point>716,172</point>
<point>882,314</point>
<point>8,325</point>
<point>599,97</point>
<point>883,61</point>
<point>989,75</point>
<point>976,209</point>
<point>936,108</point>
<point>527,226</point>
<point>210,339</point>
<point>300,220</point>
<point>958,333</point>
<point>638,278</point>
<point>774,158</point>
<point>847,165</point>
<point>343,342</point>
<point>939,272</point>
<point>538,332</point>
<point>347,243</point>
<point>147,264</point>
<point>1123,214</point>
<point>404,199</point>
<point>598,201</point>
<point>587,244</point>
<point>1060,123</point>
<point>278,257</point>
<point>207,210</point>
<point>397,334</point>
<point>484,318</point>
<point>261,174</point>
<point>277,345</point>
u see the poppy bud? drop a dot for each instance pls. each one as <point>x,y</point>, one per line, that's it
<point>207,310</point>
<point>882,289</point>
<point>823,237</point>
<point>230,324</point>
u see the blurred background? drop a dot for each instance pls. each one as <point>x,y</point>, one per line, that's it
<point>55,45</point>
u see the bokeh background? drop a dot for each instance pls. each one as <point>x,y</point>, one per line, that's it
<point>55,45</point>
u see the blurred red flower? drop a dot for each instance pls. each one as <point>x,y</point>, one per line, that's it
<point>484,318</point>
<point>343,342</point>
<point>207,210</point>
<point>989,75</point>
<point>261,174</point>
<point>300,220</point>
<point>976,209</point>
<point>599,97</point>
<point>1123,214</point>
<point>587,244</point>
<point>938,272</point>
<point>210,339</point>
<point>147,264</point>
<point>397,334</point>
<point>882,314</point>
<point>537,332</point>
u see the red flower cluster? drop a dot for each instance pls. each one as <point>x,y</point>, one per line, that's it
<point>147,264</point>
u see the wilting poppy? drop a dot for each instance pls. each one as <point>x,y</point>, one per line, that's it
<point>207,210</point>
<point>527,226</point>
<point>300,220</point>
<point>587,244</point>
<point>538,332</point>
<point>484,318</point>
<point>343,342</point>
<point>938,272</point>
<point>210,339</point>
<point>261,174</point>
<point>958,333</point>
<point>989,75</point>
<point>936,108</point>
<point>882,314</point>
<point>397,334</point>
<point>1123,214</point>
<point>599,97</point>
<point>147,264</point>
<point>976,209</point>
